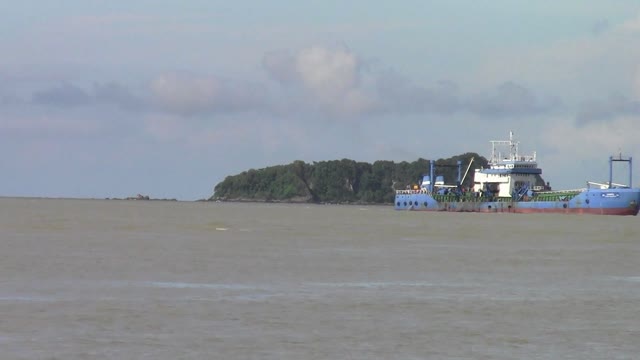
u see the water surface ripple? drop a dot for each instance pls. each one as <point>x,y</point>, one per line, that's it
<point>93,279</point>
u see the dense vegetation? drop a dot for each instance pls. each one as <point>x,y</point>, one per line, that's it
<point>338,181</point>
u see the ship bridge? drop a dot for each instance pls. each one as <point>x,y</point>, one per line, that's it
<point>510,174</point>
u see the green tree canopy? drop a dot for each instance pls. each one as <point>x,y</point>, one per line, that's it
<point>339,181</point>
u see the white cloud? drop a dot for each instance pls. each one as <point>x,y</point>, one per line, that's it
<point>63,95</point>
<point>185,94</point>
<point>327,73</point>
<point>338,82</point>
<point>636,85</point>
<point>329,77</point>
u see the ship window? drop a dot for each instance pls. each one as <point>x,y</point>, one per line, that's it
<point>405,203</point>
<point>587,201</point>
<point>425,204</point>
<point>398,203</point>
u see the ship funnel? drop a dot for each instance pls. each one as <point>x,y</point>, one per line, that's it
<point>426,181</point>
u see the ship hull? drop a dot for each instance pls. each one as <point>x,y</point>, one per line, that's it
<point>621,201</point>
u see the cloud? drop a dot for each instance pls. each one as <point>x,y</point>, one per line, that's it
<point>511,99</point>
<point>327,73</point>
<point>397,94</point>
<point>336,80</point>
<point>68,96</point>
<point>606,110</point>
<point>600,27</point>
<point>330,79</point>
<point>594,139</point>
<point>191,94</point>
<point>117,94</point>
<point>9,99</point>
<point>280,66</point>
<point>171,93</point>
<point>587,66</point>
<point>571,155</point>
<point>328,82</point>
<point>65,95</point>
<point>636,84</point>
<point>508,99</point>
<point>632,25</point>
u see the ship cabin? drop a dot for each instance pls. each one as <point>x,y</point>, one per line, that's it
<point>510,174</point>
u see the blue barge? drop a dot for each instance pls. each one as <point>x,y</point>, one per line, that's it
<point>509,185</point>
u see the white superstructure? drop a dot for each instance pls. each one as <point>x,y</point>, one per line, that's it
<point>510,173</point>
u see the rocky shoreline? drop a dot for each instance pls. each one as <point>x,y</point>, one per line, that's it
<point>299,200</point>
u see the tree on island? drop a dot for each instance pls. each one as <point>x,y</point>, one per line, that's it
<point>339,181</point>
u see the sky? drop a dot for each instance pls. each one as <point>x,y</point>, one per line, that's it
<point>164,98</point>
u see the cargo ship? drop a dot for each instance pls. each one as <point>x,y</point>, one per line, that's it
<point>511,183</point>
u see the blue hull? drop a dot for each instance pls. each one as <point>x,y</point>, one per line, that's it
<point>617,201</point>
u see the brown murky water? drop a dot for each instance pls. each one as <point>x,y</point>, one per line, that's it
<point>91,279</point>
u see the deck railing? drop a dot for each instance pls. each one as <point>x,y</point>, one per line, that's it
<point>564,195</point>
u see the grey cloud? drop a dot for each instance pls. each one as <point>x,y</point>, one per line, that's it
<point>280,66</point>
<point>604,110</point>
<point>8,96</point>
<point>191,94</point>
<point>184,94</point>
<point>69,95</point>
<point>315,80</point>
<point>510,99</point>
<point>65,95</point>
<point>600,26</point>
<point>116,94</point>
<point>9,99</point>
<point>398,94</point>
<point>327,77</point>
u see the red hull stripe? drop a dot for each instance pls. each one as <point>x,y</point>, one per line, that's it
<point>602,211</point>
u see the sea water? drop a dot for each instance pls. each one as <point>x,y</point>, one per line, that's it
<point>107,279</point>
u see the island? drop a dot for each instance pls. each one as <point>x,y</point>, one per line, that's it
<point>339,181</point>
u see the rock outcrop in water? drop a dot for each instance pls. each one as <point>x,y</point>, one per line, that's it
<point>141,197</point>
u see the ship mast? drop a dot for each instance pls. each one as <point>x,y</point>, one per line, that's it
<point>496,155</point>
<point>513,147</point>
